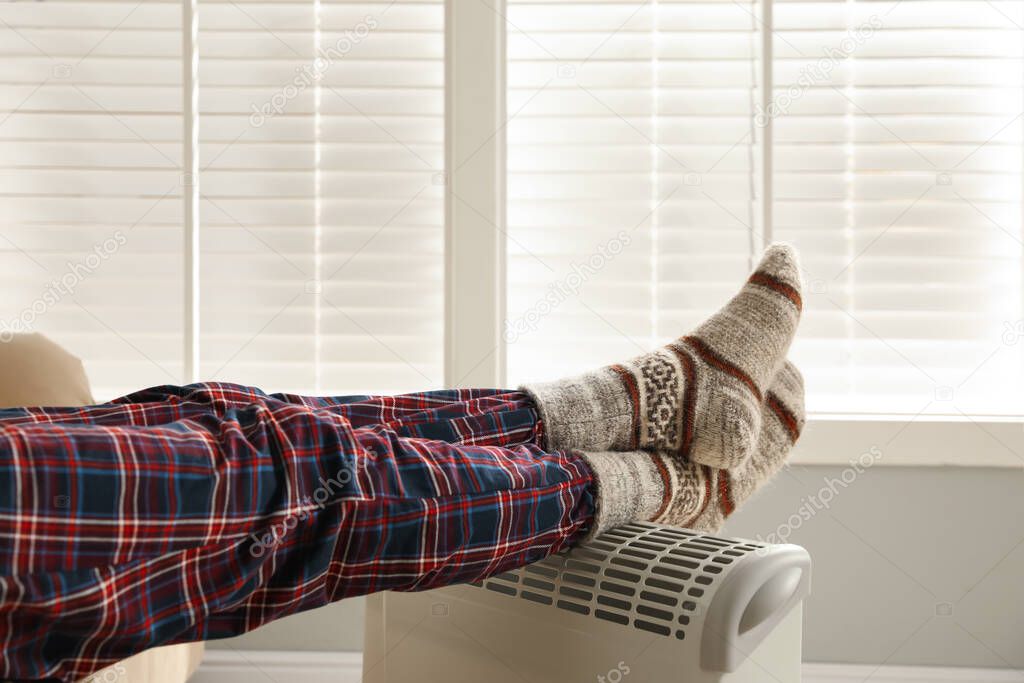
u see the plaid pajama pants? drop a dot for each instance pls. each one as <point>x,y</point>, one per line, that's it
<point>199,512</point>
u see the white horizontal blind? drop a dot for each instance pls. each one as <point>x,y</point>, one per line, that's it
<point>898,174</point>
<point>322,215</point>
<point>632,157</point>
<point>321,211</point>
<point>90,197</point>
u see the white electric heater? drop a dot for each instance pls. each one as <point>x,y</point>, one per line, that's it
<point>641,602</point>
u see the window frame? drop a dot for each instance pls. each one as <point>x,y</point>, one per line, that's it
<point>475,120</point>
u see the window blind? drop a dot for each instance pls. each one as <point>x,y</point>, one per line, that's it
<point>322,220</point>
<point>636,183</point>
<point>898,173</point>
<point>321,216</point>
<point>90,201</point>
<point>632,205</point>
<point>894,165</point>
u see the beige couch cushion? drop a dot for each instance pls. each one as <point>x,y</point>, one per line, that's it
<point>34,371</point>
<point>169,664</point>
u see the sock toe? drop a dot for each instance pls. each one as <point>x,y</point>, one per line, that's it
<point>781,261</point>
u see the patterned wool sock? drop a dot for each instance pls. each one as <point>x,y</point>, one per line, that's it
<point>630,486</point>
<point>706,495</point>
<point>700,396</point>
<point>641,486</point>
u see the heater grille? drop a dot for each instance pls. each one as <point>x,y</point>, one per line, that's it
<point>650,577</point>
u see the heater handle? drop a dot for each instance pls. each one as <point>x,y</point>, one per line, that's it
<point>753,599</point>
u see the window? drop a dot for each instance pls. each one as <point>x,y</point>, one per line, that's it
<point>320,219</point>
<point>652,149</point>
<point>91,205</point>
<point>321,132</point>
<point>885,141</point>
<point>897,170</point>
<point>632,165</point>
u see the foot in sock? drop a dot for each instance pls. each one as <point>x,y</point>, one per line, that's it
<point>642,486</point>
<point>700,396</point>
<point>705,495</point>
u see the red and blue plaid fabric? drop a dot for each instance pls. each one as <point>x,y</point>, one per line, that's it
<point>199,512</point>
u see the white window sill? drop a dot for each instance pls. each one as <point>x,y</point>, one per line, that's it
<point>932,441</point>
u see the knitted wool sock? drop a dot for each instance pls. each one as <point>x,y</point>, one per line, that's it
<point>641,486</point>
<point>699,397</point>
<point>629,487</point>
<point>706,495</point>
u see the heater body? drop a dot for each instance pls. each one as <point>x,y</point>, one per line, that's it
<point>640,603</point>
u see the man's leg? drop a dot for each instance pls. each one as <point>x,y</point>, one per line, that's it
<point>211,527</point>
<point>699,396</point>
<point>412,514</point>
<point>79,466</point>
<point>482,416</point>
<point>264,458</point>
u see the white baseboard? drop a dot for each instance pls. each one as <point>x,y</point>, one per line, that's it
<point>254,666</point>
<point>249,666</point>
<point>858,673</point>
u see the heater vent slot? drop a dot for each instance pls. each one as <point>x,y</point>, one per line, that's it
<point>648,577</point>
